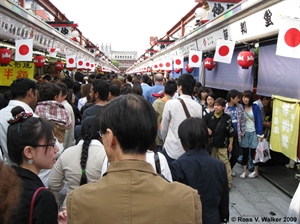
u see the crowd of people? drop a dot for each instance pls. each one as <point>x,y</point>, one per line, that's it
<point>114,149</point>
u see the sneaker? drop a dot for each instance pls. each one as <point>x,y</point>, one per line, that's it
<point>253,175</point>
<point>243,175</point>
<point>233,174</point>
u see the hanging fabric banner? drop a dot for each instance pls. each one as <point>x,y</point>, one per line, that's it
<point>15,70</point>
<point>285,126</point>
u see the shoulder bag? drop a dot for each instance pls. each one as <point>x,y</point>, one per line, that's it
<point>32,203</point>
<point>184,107</point>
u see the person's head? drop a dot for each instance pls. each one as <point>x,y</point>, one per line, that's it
<point>233,96</point>
<point>25,90</point>
<point>265,100</point>
<point>90,128</point>
<point>128,126</point>
<point>219,105</point>
<point>99,90</point>
<point>50,91</point>
<point>210,99</point>
<point>78,77</point>
<point>64,90</point>
<point>247,98</point>
<point>10,192</point>
<point>125,89</point>
<point>137,89</point>
<point>4,99</point>
<point>202,92</point>
<point>170,87</point>
<point>85,91</point>
<point>193,133</point>
<point>76,87</point>
<point>46,78</point>
<point>69,82</point>
<point>158,78</point>
<point>145,78</point>
<point>30,141</point>
<point>129,78</point>
<point>185,84</point>
<point>114,90</point>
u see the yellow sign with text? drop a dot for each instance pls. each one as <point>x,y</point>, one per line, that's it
<point>15,70</point>
<point>285,126</point>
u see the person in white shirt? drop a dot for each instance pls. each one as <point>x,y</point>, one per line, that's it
<point>174,114</point>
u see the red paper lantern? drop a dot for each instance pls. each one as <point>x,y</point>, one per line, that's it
<point>59,66</point>
<point>177,70</point>
<point>168,71</point>
<point>71,69</point>
<point>5,56</point>
<point>245,59</point>
<point>209,63</point>
<point>39,61</point>
<point>188,69</point>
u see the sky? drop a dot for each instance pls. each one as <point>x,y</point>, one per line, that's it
<point>125,24</point>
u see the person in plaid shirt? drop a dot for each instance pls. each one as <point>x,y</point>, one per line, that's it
<point>50,108</point>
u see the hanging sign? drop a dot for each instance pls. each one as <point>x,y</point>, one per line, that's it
<point>15,70</point>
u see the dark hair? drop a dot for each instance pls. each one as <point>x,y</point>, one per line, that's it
<point>47,77</point>
<point>63,87</point>
<point>170,87</point>
<point>193,133</point>
<point>211,95</point>
<point>265,97</point>
<point>202,89</point>
<point>20,86</point>
<point>125,89</point>
<point>145,78</point>
<point>26,132</point>
<point>69,82</point>
<point>5,98</point>
<point>132,120</point>
<point>48,91</point>
<point>114,89</point>
<point>129,78</point>
<point>76,87</point>
<point>220,101</point>
<point>90,128</point>
<point>187,82</point>
<point>10,193</point>
<point>78,77</point>
<point>248,94</point>
<point>137,89</point>
<point>101,87</point>
<point>232,94</point>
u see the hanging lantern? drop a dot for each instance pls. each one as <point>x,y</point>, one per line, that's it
<point>71,69</point>
<point>177,70</point>
<point>59,66</point>
<point>168,71</point>
<point>39,61</point>
<point>188,69</point>
<point>5,56</point>
<point>245,59</point>
<point>209,63</point>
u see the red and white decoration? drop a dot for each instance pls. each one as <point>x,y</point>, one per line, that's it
<point>59,66</point>
<point>178,61</point>
<point>245,59</point>
<point>52,52</point>
<point>92,66</point>
<point>155,67</point>
<point>71,63</point>
<point>24,49</point>
<point>161,65</point>
<point>39,61</point>
<point>288,42</point>
<point>177,70</point>
<point>168,65</point>
<point>80,63</point>
<point>87,65</point>
<point>188,68</point>
<point>209,63</point>
<point>195,58</point>
<point>224,51</point>
<point>5,56</point>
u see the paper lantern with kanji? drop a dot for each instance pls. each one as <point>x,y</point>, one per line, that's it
<point>177,70</point>
<point>188,69</point>
<point>209,63</point>
<point>39,61</point>
<point>245,59</point>
<point>5,56</point>
<point>59,66</point>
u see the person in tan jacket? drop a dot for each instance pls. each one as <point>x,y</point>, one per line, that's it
<point>130,191</point>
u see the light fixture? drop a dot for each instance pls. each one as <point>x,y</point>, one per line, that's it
<point>74,34</point>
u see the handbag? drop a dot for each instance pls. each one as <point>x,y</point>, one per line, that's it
<point>262,153</point>
<point>32,203</point>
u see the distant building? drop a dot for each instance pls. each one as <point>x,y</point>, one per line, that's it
<point>125,58</point>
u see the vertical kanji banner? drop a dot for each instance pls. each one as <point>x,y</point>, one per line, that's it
<point>285,126</point>
<point>15,70</point>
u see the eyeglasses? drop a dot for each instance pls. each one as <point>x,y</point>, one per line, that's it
<point>47,145</point>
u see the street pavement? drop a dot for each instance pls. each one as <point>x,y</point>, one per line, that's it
<point>256,201</point>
